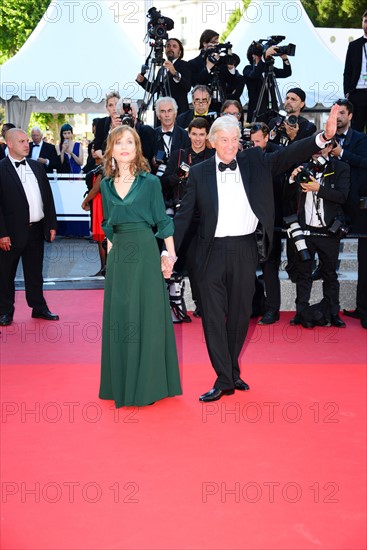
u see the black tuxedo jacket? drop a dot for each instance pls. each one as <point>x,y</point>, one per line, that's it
<point>353,64</point>
<point>257,170</point>
<point>334,192</point>
<point>102,129</point>
<point>179,90</point>
<point>47,151</point>
<point>180,139</point>
<point>14,208</point>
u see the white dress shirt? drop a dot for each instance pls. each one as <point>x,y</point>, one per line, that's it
<point>31,189</point>
<point>235,216</point>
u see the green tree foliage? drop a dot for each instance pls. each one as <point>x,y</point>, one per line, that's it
<point>18,18</point>
<point>335,13</point>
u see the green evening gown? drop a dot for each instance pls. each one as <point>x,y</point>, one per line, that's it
<point>139,357</point>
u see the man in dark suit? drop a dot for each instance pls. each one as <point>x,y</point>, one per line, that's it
<point>355,78</point>
<point>352,149</point>
<point>201,99</point>
<point>27,218</point>
<point>232,196</point>
<point>43,152</point>
<point>175,75</point>
<point>169,136</point>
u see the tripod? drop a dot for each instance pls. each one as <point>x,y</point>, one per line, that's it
<point>270,86</point>
<point>157,79</point>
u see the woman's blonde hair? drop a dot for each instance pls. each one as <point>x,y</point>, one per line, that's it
<point>140,163</point>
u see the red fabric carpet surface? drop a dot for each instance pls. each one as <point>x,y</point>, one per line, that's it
<point>279,467</point>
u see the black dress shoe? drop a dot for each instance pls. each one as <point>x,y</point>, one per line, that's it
<point>336,321</point>
<point>214,394</point>
<point>296,320</point>
<point>364,322</point>
<point>44,314</point>
<point>241,385</point>
<point>5,320</point>
<point>355,313</point>
<point>269,318</point>
<point>197,312</point>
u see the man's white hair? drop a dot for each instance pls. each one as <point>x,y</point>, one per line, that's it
<point>165,100</point>
<point>224,124</point>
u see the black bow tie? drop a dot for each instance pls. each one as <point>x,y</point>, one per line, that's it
<point>36,145</point>
<point>232,165</point>
<point>17,164</point>
<point>167,134</point>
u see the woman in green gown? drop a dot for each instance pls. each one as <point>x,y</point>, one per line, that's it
<point>139,357</point>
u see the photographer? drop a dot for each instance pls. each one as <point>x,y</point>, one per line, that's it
<point>221,75</point>
<point>254,78</point>
<point>128,111</point>
<point>201,99</point>
<point>176,71</point>
<point>293,126</point>
<point>174,182</point>
<point>169,136</point>
<point>322,189</point>
<point>105,124</point>
<point>351,148</point>
<point>208,39</point>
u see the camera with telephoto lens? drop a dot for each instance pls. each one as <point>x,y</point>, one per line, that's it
<point>158,25</point>
<point>259,47</point>
<point>296,234</point>
<point>313,167</point>
<point>127,118</point>
<point>183,170</point>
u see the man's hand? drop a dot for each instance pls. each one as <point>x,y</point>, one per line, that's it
<point>291,131</point>
<point>335,152</point>
<point>170,67</point>
<point>41,160</point>
<point>140,78</point>
<point>330,126</point>
<point>166,267</point>
<point>52,234</point>
<point>5,244</point>
<point>311,185</point>
<point>295,172</point>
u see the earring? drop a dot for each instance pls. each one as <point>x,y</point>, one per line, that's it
<point>113,164</point>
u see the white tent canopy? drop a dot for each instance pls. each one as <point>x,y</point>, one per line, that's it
<point>76,55</point>
<point>315,68</point>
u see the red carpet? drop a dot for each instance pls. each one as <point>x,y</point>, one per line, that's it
<point>279,467</point>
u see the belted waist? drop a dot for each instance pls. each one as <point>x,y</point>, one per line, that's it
<point>248,237</point>
<point>130,226</point>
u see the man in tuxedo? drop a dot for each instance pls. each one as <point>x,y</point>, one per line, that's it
<point>174,75</point>
<point>232,193</point>
<point>352,149</point>
<point>355,78</point>
<point>201,99</point>
<point>43,152</point>
<point>27,218</point>
<point>170,136</point>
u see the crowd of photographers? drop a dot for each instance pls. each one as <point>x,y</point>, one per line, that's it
<point>317,203</point>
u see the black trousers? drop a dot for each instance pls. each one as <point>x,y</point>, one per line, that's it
<point>270,269</point>
<point>32,259</point>
<point>359,100</point>
<point>362,276</point>
<point>327,249</point>
<point>226,292</point>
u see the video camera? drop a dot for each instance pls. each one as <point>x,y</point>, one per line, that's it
<point>259,47</point>
<point>127,118</point>
<point>313,167</point>
<point>158,25</point>
<point>224,51</point>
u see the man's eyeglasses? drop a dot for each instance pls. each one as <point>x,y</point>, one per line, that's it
<point>201,101</point>
<point>237,115</point>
